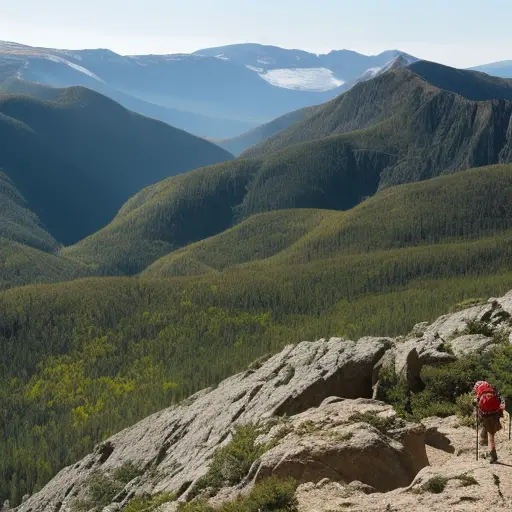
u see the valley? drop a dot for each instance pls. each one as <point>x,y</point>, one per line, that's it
<point>141,263</point>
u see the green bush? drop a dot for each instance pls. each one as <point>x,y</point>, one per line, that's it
<point>477,327</point>
<point>231,463</point>
<point>149,503</point>
<point>101,490</point>
<point>270,495</point>
<point>435,485</point>
<point>465,407</point>
<point>382,423</point>
<point>103,487</point>
<point>127,472</point>
<point>468,303</point>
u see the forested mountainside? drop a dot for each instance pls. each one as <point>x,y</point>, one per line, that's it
<point>78,157</point>
<point>423,102</point>
<point>106,352</point>
<point>27,250</point>
<point>238,145</point>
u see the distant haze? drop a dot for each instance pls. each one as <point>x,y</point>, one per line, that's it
<point>460,33</point>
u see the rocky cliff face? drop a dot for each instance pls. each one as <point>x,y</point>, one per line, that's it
<point>319,423</point>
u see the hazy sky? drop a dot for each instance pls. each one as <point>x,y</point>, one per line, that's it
<point>456,32</point>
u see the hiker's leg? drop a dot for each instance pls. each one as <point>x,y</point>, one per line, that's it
<point>492,442</point>
<point>493,456</point>
<point>483,436</point>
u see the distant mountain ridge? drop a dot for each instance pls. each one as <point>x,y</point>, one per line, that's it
<point>207,93</point>
<point>432,88</point>
<point>336,68</point>
<point>502,68</point>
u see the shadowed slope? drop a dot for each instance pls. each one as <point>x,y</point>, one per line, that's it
<point>77,159</point>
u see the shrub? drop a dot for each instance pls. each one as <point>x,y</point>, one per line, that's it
<point>127,472</point>
<point>101,490</point>
<point>231,463</point>
<point>102,487</point>
<point>149,503</point>
<point>466,480</point>
<point>435,485</point>
<point>270,495</point>
<point>382,423</point>
<point>477,327</point>
<point>468,303</point>
<point>465,407</point>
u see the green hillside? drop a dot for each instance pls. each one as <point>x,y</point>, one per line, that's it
<point>166,216</point>
<point>325,174</point>
<point>465,205</point>
<point>83,359</point>
<point>77,159</point>
<point>440,134</point>
<point>17,222</point>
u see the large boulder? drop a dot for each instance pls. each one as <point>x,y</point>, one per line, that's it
<point>471,344</point>
<point>345,441</point>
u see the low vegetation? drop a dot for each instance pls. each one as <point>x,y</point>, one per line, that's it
<point>437,484</point>
<point>149,503</point>
<point>231,463</point>
<point>102,488</point>
<point>447,388</point>
<point>270,495</point>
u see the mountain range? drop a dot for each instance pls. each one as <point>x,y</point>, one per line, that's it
<point>158,264</point>
<point>219,93</point>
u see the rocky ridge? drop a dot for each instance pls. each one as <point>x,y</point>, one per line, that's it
<point>314,403</point>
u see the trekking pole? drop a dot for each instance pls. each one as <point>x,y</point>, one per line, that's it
<point>477,428</point>
<point>508,408</point>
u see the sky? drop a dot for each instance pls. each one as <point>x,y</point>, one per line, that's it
<point>459,33</point>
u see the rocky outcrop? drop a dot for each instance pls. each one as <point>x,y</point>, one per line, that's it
<point>471,344</point>
<point>177,443</point>
<point>450,337</point>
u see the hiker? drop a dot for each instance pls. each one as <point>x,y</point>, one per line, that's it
<point>489,409</point>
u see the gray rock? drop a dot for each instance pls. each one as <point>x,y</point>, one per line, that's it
<point>418,330</point>
<point>344,447</point>
<point>408,364</point>
<point>470,344</point>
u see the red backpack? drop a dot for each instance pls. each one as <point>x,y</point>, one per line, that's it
<point>489,401</point>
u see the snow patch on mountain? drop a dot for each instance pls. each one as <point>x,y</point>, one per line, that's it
<point>72,65</point>
<point>303,79</point>
<point>253,68</point>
